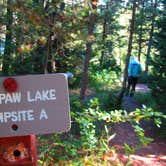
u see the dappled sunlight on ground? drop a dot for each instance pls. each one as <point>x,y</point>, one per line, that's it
<point>152,155</point>
<point>142,88</point>
<point>88,92</point>
<point>148,160</point>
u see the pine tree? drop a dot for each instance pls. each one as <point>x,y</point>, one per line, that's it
<point>159,70</point>
<point>159,64</point>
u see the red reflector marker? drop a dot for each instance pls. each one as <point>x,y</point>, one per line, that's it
<point>10,85</point>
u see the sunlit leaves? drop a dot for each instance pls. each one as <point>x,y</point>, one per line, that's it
<point>94,3</point>
<point>34,18</point>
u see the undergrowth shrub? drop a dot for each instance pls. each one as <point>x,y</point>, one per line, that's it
<point>146,99</point>
<point>93,135</point>
<point>155,102</point>
<point>106,84</point>
<point>144,78</point>
<point>104,80</point>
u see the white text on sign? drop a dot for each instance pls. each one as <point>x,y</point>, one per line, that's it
<point>43,95</point>
<point>24,115</point>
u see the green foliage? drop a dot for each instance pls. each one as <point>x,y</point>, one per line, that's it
<point>93,133</point>
<point>146,99</point>
<point>138,115</point>
<point>104,79</point>
<point>33,26</point>
<point>159,65</point>
<point>70,146</point>
<point>107,82</point>
<point>144,78</point>
<point>111,65</point>
<point>158,82</point>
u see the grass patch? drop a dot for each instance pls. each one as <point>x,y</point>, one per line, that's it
<point>146,99</point>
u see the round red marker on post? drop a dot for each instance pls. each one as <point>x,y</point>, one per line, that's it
<point>10,85</point>
<point>18,150</point>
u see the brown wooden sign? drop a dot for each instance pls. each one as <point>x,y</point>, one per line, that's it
<point>39,105</point>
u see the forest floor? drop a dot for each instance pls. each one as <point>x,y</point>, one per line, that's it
<point>153,154</point>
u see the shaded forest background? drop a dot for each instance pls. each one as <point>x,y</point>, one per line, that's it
<point>93,40</point>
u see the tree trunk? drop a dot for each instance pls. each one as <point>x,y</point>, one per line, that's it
<point>49,63</point>
<point>46,66</point>
<point>87,55</point>
<point>140,33</point>
<point>150,38</point>
<point>103,39</point>
<point>122,90</point>
<point>8,42</point>
<point>140,43</point>
<point>120,58</point>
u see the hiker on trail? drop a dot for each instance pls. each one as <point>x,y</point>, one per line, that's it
<point>134,71</point>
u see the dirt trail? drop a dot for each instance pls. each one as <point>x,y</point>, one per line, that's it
<point>154,154</point>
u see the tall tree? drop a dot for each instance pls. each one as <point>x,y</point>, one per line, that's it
<point>150,42</point>
<point>159,61</point>
<point>104,35</point>
<point>125,76</point>
<point>158,83</point>
<point>109,12</point>
<point>88,50</point>
<point>8,42</point>
<point>141,30</point>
